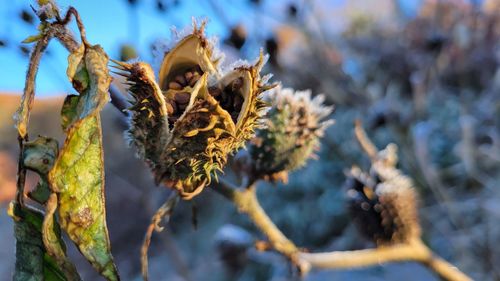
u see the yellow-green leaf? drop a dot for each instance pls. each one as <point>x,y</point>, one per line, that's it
<point>32,38</point>
<point>78,178</point>
<point>54,245</point>
<point>78,173</point>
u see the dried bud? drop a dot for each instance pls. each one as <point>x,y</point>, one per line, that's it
<point>183,127</point>
<point>39,155</point>
<point>383,206</point>
<point>292,130</point>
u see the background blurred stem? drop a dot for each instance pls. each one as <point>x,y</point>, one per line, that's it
<point>247,202</point>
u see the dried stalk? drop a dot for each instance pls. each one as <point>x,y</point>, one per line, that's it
<point>164,212</point>
<point>246,201</point>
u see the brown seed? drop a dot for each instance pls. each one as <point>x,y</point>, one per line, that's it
<point>181,80</point>
<point>194,79</point>
<point>174,85</point>
<point>170,109</point>
<point>182,97</point>
<point>188,75</point>
<point>214,91</point>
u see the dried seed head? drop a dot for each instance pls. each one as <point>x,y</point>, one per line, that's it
<point>383,206</point>
<point>292,130</point>
<point>181,126</point>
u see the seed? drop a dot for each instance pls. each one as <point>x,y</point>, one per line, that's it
<point>180,79</point>
<point>214,91</point>
<point>171,108</point>
<point>182,97</point>
<point>188,75</point>
<point>174,85</point>
<point>194,79</point>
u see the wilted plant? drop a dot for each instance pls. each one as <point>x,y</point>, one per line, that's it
<point>185,124</point>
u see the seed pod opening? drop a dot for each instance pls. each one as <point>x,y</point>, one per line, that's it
<point>192,54</point>
<point>182,126</point>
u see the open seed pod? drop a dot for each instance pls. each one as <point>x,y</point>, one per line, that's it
<point>238,93</point>
<point>293,128</point>
<point>180,124</point>
<point>383,205</point>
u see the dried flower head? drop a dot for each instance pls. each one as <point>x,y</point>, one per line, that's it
<point>290,134</point>
<point>383,205</point>
<point>187,123</point>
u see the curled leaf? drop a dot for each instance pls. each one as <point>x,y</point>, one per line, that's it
<point>52,240</point>
<point>78,173</point>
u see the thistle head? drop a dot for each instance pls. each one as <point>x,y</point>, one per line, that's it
<point>291,132</point>
<point>186,123</point>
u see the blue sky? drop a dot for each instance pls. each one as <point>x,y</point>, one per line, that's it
<point>107,23</point>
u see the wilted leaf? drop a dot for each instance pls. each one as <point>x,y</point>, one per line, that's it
<point>53,242</point>
<point>78,174</point>
<point>32,261</point>
<point>39,155</point>
<point>32,38</point>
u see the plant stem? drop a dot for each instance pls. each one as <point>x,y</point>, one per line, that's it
<point>247,202</point>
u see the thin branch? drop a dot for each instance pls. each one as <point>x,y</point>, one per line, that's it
<point>415,251</point>
<point>164,212</point>
<point>367,145</point>
<point>79,23</point>
<point>246,201</point>
<point>24,111</point>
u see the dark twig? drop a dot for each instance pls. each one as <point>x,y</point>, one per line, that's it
<point>79,23</point>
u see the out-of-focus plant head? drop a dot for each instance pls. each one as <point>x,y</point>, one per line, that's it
<point>291,133</point>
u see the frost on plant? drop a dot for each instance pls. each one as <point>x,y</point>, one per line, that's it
<point>383,202</point>
<point>186,122</point>
<point>291,133</point>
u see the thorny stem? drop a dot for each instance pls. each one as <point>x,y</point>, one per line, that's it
<point>246,201</point>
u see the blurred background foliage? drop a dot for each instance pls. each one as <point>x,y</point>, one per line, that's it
<point>422,74</point>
